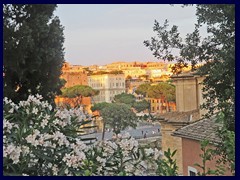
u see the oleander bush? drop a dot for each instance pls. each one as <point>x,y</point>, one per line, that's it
<point>41,141</point>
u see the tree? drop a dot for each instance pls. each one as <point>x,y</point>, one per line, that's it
<point>163,91</point>
<point>125,98</point>
<point>217,52</point>
<point>33,51</point>
<point>141,105</point>
<point>76,93</point>
<point>142,89</point>
<point>119,116</point>
<point>99,107</point>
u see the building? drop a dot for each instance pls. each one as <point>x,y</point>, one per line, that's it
<point>184,129</point>
<point>188,92</point>
<point>161,105</point>
<point>132,84</point>
<point>188,99</point>
<point>191,136</point>
<point>74,75</point>
<point>134,72</point>
<point>171,122</point>
<point>108,85</point>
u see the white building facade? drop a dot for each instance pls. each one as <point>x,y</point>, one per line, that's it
<point>108,85</point>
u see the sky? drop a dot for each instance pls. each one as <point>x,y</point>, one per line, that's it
<point>104,33</point>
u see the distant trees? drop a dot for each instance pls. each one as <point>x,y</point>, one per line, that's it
<point>119,116</point>
<point>32,51</point>
<point>125,98</point>
<point>130,100</point>
<point>161,90</point>
<point>76,93</point>
<point>116,115</point>
<point>142,89</point>
<point>141,105</point>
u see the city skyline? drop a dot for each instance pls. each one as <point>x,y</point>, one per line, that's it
<point>100,34</point>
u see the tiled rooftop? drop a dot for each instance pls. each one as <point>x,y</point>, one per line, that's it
<point>180,116</point>
<point>200,130</point>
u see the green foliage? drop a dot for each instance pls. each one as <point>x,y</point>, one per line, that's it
<point>79,90</point>
<point>141,105</point>
<point>226,149</point>
<point>125,98</point>
<point>178,67</point>
<point>162,91</point>
<point>118,116</point>
<point>99,106</point>
<point>142,89</point>
<point>216,52</point>
<point>33,51</point>
<point>37,138</point>
<point>167,166</point>
<point>206,156</point>
<point>121,157</point>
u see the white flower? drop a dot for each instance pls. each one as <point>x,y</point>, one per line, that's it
<point>39,96</point>
<point>27,111</point>
<point>49,165</point>
<point>50,107</point>
<point>149,151</point>
<point>44,123</point>
<point>35,110</point>
<point>25,150</point>
<point>5,99</point>
<point>11,110</point>
<point>55,170</point>
<point>101,160</point>
<point>66,171</point>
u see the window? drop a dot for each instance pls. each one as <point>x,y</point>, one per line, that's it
<point>192,171</point>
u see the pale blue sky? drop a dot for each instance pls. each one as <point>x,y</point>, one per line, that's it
<point>104,33</point>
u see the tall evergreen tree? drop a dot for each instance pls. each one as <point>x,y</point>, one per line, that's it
<point>33,51</point>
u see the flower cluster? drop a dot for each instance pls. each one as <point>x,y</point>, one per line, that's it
<point>40,140</point>
<point>122,156</point>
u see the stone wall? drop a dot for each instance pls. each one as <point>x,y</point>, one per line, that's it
<point>172,142</point>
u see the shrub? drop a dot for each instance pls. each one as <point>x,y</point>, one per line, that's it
<point>40,141</point>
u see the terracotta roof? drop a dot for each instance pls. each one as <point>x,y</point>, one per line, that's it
<point>180,116</point>
<point>200,130</point>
